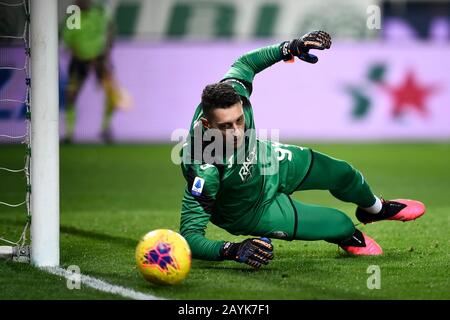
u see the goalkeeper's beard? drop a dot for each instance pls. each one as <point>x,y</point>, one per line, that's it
<point>234,138</point>
<point>232,145</point>
<point>234,142</point>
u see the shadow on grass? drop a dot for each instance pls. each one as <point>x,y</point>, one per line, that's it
<point>392,255</point>
<point>99,236</point>
<point>85,234</point>
<point>243,268</point>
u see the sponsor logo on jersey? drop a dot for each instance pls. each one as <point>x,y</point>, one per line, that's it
<point>197,186</point>
<point>247,167</point>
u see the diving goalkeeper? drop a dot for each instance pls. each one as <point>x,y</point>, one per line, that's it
<point>236,191</point>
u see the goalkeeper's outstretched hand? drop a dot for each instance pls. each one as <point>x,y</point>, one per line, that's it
<point>319,40</point>
<point>255,251</point>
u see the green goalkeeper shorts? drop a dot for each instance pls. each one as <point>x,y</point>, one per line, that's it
<point>289,219</point>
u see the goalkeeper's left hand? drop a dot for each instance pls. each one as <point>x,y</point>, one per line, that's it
<point>319,40</point>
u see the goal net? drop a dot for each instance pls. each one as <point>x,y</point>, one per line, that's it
<point>29,46</point>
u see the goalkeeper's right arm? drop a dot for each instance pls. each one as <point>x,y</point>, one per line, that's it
<point>198,202</point>
<point>194,219</point>
<point>251,63</point>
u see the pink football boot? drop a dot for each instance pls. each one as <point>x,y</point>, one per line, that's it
<point>398,209</point>
<point>362,245</point>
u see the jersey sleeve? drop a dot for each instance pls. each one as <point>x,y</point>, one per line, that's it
<point>197,208</point>
<point>244,69</point>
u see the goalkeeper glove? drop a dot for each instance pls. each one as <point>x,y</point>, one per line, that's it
<point>254,252</point>
<point>300,47</point>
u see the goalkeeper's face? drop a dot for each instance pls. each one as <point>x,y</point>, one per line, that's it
<point>230,122</point>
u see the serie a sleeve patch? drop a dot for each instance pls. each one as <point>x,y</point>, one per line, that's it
<point>197,186</point>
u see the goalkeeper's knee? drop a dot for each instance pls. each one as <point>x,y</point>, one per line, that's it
<point>343,228</point>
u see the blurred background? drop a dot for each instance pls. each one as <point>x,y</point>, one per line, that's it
<point>132,72</point>
<point>385,78</point>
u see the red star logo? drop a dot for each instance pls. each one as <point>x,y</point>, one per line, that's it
<point>409,95</point>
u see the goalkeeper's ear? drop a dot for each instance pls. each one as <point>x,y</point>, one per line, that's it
<point>205,123</point>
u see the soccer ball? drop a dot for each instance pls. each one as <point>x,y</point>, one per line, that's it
<point>163,257</point>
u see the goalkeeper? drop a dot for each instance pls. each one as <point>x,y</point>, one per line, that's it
<point>237,192</point>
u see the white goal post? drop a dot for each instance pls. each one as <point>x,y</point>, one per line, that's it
<point>44,133</point>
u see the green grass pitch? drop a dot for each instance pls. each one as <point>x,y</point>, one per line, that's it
<point>112,195</point>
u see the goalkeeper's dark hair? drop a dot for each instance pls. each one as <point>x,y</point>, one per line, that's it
<point>218,95</point>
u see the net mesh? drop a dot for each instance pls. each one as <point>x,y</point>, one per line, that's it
<point>15,35</point>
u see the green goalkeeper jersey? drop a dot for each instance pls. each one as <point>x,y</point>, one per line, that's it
<point>231,194</point>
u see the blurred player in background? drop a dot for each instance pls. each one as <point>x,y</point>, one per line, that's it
<point>90,48</point>
<point>240,197</point>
